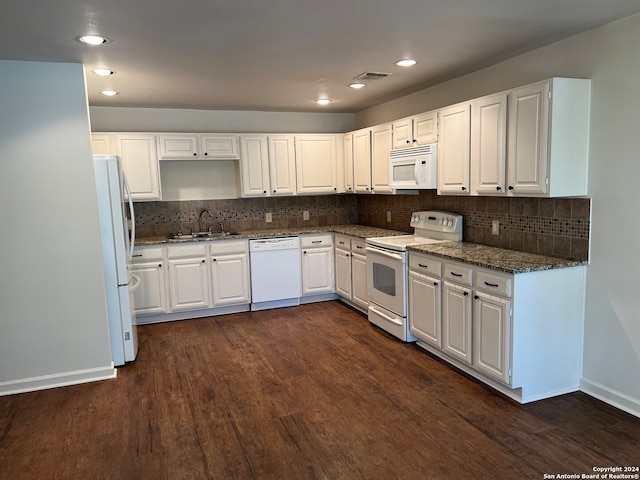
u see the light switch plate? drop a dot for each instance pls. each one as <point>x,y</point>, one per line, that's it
<point>268,217</point>
<point>305,215</point>
<point>388,216</point>
<point>495,227</point>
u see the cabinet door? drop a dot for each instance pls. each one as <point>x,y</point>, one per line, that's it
<point>359,278</point>
<point>425,128</point>
<point>178,147</point>
<point>254,165</point>
<point>456,322</point>
<point>489,145</point>
<point>230,279</point>
<point>492,336</point>
<point>102,144</point>
<point>362,160</point>
<point>151,296</point>
<point>188,284</point>
<point>317,271</point>
<point>219,146</point>
<point>403,133</point>
<point>140,165</point>
<point>380,147</point>
<point>528,135</point>
<point>348,162</point>
<point>282,164</point>
<point>343,273</point>
<point>454,150</point>
<point>425,308</point>
<point>316,163</point>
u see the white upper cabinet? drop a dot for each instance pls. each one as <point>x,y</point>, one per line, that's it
<point>317,163</point>
<point>254,165</point>
<point>102,144</point>
<point>348,162</point>
<point>362,160</point>
<point>416,130</point>
<point>140,164</point>
<point>197,146</point>
<point>454,149</point>
<point>380,147</point>
<point>282,164</point>
<point>548,138</point>
<point>489,145</point>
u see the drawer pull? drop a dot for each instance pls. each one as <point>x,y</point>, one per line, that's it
<point>159,265</point>
<point>476,297</point>
<point>316,241</point>
<point>491,284</point>
<point>435,284</point>
<point>137,255</point>
<point>423,266</point>
<point>358,247</point>
<point>456,274</point>
<point>466,294</point>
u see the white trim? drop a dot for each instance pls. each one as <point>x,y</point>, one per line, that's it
<point>612,397</point>
<point>57,380</point>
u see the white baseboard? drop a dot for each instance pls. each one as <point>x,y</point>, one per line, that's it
<point>612,397</point>
<point>57,380</point>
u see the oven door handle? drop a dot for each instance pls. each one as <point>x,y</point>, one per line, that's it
<point>394,256</point>
<point>395,321</point>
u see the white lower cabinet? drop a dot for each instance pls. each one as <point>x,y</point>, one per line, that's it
<point>351,271</point>
<point>188,278</point>
<point>317,264</point>
<point>150,295</point>
<point>230,284</point>
<point>519,333</point>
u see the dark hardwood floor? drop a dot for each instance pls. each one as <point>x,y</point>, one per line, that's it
<point>310,392</point>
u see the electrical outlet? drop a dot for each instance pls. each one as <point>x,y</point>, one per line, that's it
<point>495,227</point>
<point>268,217</point>
<point>305,215</point>
<point>388,215</point>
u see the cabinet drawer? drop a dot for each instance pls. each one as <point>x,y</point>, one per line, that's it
<point>424,264</point>
<point>458,273</point>
<point>315,241</point>
<point>494,283</point>
<point>357,246</point>
<point>223,247</point>
<point>141,255</point>
<point>343,242</point>
<point>187,251</point>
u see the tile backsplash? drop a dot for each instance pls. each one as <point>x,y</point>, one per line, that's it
<point>550,226</point>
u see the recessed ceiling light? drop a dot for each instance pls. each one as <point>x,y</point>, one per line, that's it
<point>407,62</point>
<point>109,93</point>
<point>323,101</point>
<point>357,85</point>
<point>103,72</point>
<point>92,39</point>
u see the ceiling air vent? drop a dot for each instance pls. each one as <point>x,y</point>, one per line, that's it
<point>370,76</point>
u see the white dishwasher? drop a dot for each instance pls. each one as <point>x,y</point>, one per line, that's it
<point>275,272</point>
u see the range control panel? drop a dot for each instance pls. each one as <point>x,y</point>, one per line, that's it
<point>437,221</point>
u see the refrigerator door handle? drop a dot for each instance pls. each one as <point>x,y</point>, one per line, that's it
<point>132,237</point>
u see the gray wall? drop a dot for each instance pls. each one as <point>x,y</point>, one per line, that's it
<point>118,119</point>
<point>608,55</point>
<point>53,320</point>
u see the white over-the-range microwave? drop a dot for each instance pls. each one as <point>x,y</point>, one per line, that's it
<point>413,167</point>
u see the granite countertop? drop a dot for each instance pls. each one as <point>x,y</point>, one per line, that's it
<point>510,261</point>
<point>359,231</point>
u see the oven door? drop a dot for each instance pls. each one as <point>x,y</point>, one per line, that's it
<point>386,279</point>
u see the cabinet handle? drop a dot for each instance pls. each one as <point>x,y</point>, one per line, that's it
<point>206,153</point>
<point>464,188</point>
<point>510,187</point>
<point>491,284</point>
<point>195,154</point>
<point>203,261</point>
<point>466,294</point>
<point>346,254</point>
<point>316,241</point>
<point>349,188</point>
<point>456,274</point>
<point>264,191</point>
<point>423,266</point>
<point>159,265</point>
<point>341,243</point>
<point>408,142</point>
<point>137,255</point>
<point>358,247</point>
<point>335,189</point>
<point>215,259</point>
<point>305,252</point>
<point>415,141</point>
<point>274,191</point>
<point>435,284</point>
<point>476,297</point>
<point>498,188</point>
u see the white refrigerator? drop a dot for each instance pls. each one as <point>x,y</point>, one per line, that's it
<point>117,231</point>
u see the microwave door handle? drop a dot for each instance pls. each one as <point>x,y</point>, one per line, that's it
<point>416,170</point>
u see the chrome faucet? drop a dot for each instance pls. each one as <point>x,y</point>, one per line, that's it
<point>200,218</point>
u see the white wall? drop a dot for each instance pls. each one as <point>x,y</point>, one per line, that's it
<point>117,119</point>
<point>53,320</point>
<point>609,56</point>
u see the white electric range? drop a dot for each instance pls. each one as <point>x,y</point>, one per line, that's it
<point>387,268</point>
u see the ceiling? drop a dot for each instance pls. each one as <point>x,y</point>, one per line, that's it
<point>280,55</point>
